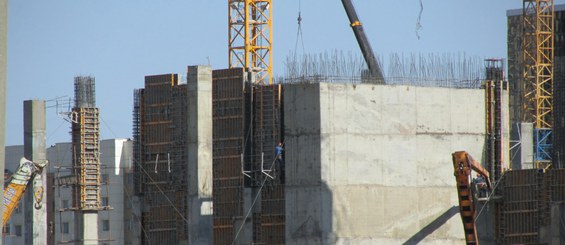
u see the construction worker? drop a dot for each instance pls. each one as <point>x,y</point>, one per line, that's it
<point>481,185</point>
<point>279,158</point>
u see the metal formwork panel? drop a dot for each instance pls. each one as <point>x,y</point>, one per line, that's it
<point>161,136</point>
<point>522,207</point>
<point>267,133</point>
<point>246,128</point>
<point>494,85</point>
<point>228,140</point>
<point>556,184</point>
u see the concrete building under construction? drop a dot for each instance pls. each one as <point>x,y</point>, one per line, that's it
<point>352,153</point>
<point>172,152</point>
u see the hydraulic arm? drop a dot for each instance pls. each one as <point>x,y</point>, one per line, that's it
<point>463,164</point>
<point>14,192</point>
<point>372,63</point>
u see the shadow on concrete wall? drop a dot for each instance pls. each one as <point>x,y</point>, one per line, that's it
<point>433,226</point>
<point>316,227</point>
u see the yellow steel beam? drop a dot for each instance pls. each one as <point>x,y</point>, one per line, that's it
<point>537,58</point>
<point>250,37</point>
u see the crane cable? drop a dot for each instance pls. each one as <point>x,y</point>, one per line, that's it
<point>299,34</point>
<point>418,21</point>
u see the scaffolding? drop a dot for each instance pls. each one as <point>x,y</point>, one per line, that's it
<point>86,145</point>
<point>494,86</point>
<point>537,58</point>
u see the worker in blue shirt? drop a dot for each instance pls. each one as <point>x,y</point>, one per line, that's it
<point>279,158</point>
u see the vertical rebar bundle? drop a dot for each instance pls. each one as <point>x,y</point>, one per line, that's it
<point>84,92</point>
<point>429,70</point>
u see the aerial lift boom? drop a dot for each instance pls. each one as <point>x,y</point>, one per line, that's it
<point>463,164</point>
<point>26,172</point>
<point>372,63</point>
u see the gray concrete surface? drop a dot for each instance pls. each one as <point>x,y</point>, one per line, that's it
<point>526,146</point>
<point>35,150</point>
<point>3,77</point>
<point>199,81</point>
<point>371,164</point>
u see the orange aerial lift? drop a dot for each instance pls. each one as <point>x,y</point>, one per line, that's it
<point>13,193</point>
<point>463,164</point>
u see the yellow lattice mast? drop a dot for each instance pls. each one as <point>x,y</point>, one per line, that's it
<point>250,37</point>
<point>538,24</point>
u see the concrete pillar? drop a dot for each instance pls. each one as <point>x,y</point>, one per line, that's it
<point>35,150</point>
<point>3,61</point>
<point>199,81</point>
<point>527,145</point>
<point>89,233</point>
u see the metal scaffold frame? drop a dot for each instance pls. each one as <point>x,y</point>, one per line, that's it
<point>538,41</point>
<point>86,145</point>
<point>494,86</point>
<point>250,37</point>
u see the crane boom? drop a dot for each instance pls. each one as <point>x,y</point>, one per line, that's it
<point>14,192</point>
<point>463,164</point>
<point>372,63</point>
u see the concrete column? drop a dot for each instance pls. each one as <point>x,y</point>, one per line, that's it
<point>527,145</point>
<point>35,150</point>
<point>3,61</point>
<point>90,231</point>
<point>199,81</point>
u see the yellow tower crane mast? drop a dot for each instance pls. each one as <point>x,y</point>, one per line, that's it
<point>537,58</point>
<point>250,37</point>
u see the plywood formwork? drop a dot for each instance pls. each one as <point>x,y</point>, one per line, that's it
<point>228,103</point>
<point>527,198</point>
<point>160,135</point>
<point>269,225</point>
<point>248,188</point>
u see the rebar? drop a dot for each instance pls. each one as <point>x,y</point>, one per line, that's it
<point>426,70</point>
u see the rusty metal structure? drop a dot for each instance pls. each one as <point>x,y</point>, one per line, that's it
<point>463,165</point>
<point>248,187</point>
<point>160,152</point>
<point>250,37</point>
<point>532,207</point>
<point>494,86</point>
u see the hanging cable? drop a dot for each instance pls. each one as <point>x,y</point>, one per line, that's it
<point>253,203</point>
<point>144,171</point>
<point>299,35</point>
<point>418,21</point>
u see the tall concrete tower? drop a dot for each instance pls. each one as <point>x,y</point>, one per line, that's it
<point>86,161</point>
<point>35,150</point>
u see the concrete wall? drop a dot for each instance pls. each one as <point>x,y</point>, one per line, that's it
<point>369,164</point>
<point>35,150</point>
<point>199,80</point>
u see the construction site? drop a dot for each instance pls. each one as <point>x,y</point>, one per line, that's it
<point>425,149</point>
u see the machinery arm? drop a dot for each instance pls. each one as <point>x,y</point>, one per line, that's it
<point>374,67</point>
<point>13,193</point>
<point>463,164</point>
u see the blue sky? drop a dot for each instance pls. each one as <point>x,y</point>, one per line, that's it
<point>120,42</point>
